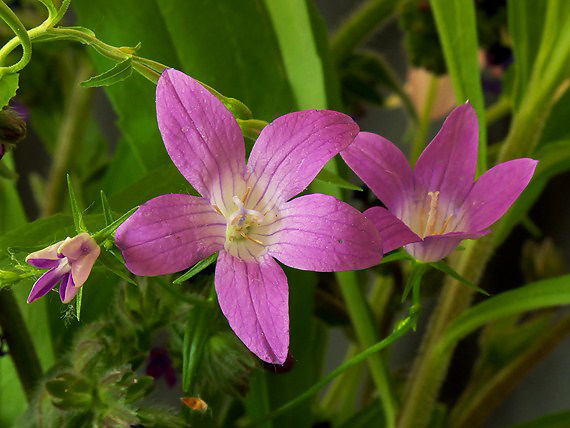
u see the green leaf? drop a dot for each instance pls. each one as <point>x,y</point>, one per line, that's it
<point>108,260</point>
<point>118,73</point>
<point>110,229</point>
<point>536,295</point>
<point>106,209</point>
<point>8,88</point>
<point>75,211</point>
<point>195,337</point>
<point>328,177</point>
<point>558,420</point>
<point>197,268</point>
<point>448,270</point>
<point>457,31</point>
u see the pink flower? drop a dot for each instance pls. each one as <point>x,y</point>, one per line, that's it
<point>245,212</point>
<point>435,206</point>
<point>69,263</point>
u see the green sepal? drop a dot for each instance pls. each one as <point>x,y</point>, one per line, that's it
<point>448,270</point>
<point>197,268</point>
<point>328,177</point>
<point>104,233</point>
<point>118,73</point>
<point>75,211</point>
<point>78,300</point>
<point>396,255</point>
<point>8,88</point>
<point>106,209</point>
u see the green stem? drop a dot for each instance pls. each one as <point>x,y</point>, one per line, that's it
<point>63,8</point>
<point>363,323</point>
<point>425,119</point>
<point>22,36</point>
<point>19,342</point>
<point>399,332</point>
<point>68,140</point>
<point>359,26</point>
<point>476,404</point>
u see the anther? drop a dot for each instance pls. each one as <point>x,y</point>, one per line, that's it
<point>217,209</point>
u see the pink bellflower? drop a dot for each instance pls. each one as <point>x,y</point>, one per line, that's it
<point>432,208</point>
<point>245,212</point>
<point>69,263</point>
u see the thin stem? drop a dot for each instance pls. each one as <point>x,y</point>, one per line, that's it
<point>62,9</point>
<point>19,342</point>
<point>399,332</point>
<point>476,404</point>
<point>363,323</point>
<point>22,36</point>
<point>425,119</point>
<point>359,26</point>
<point>68,140</point>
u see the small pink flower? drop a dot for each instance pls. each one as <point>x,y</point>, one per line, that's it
<point>245,212</point>
<point>431,209</point>
<point>69,263</point>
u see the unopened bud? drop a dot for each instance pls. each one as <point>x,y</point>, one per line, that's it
<point>12,129</point>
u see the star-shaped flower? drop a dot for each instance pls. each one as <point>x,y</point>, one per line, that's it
<point>69,263</point>
<point>435,206</point>
<point>245,212</point>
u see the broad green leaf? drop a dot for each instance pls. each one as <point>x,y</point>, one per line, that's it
<point>197,268</point>
<point>536,295</point>
<point>292,23</point>
<point>8,88</point>
<point>118,73</point>
<point>329,177</point>
<point>558,420</point>
<point>526,20</point>
<point>457,31</point>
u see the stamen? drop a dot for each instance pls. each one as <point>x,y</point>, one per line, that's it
<point>249,238</point>
<point>246,194</point>
<point>217,209</point>
<point>432,215</point>
<point>445,224</point>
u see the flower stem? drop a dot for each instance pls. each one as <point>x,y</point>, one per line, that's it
<point>19,342</point>
<point>361,319</point>
<point>425,119</point>
<point>398,332</point>
<point>359,26</point>
<point>68,139</point>
<point>22,36</point>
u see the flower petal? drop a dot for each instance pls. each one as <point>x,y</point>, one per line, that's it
<point>254,298</point>
<point>448,163</point>
<point>170,233</point>
<point>45,283</point>
<point>67,289</point>
<point>321,233</point>
<point>36,258</point>
<point>290,152</point>
<point>81,252</point>
<point>495,191</point>
<point>436,247</point>
<point>42,263</point>
<point>393,231</point>
<point>382,167</point>
<point>200,135</point>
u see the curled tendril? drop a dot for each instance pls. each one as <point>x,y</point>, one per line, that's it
<point>16,25</point>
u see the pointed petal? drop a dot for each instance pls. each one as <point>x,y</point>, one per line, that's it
<point>436,247</point>
<point>394,232</point>
<point>321,233</point>
<point>448,163</point>
<point>67,289</point>
<point>495,191</point>
<point>254,298</point>
<point>382,167</point>
<point>202,138</point>
<point>170,233</point>
<point>290,152</point>
<point>45,283</point>
<point>81,252</point>
<point>39,258</point>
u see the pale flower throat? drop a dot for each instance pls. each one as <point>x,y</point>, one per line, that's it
<point>241,225</point>
<point>430,222</point>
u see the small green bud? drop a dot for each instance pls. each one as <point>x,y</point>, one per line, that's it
<point>238,109</point>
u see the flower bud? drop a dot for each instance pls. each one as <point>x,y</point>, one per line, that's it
<point>12,129</point>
